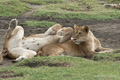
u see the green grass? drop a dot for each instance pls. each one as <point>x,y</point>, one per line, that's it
<point>113,1</point>
<point>12,8</point>
<point>79,69</point>
<point>81,9</point>
<point>65,9</point>
<point>113,56</point>
<point>36,24</point>
<point>107,56</point>
<point>41,2</point>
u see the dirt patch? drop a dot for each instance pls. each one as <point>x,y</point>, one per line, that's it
<point>45,63</point>
<point>30,31</point>
<point>85,9</point>
<point>6,62</point>
<point>9,74</point>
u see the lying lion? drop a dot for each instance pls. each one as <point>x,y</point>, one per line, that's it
<point>83,44</point>
<point>18,48</point>
<point>12,44</point>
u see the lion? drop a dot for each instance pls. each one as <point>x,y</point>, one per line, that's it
<point>51,31</point>
<point>12,44</point>
<point>16,47</point>
<point>83,44</point>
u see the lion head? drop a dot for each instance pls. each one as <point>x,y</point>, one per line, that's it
<point>81,34</point>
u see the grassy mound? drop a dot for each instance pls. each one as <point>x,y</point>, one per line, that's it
<point>114,56</point>
<point>79,69</point>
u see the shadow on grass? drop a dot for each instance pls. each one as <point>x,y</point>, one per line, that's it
<point>9,74</point>
<point>36,64</point>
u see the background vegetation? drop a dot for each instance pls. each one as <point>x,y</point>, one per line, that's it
<point>12,8</point>
<point>67,9</point>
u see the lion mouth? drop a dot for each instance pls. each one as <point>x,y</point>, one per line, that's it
<point>77,42</point>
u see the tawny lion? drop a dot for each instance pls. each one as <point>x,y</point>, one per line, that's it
<point>17,47</point>
<point>26,42</point>
<point>83,44</point>
<point>12,43</point>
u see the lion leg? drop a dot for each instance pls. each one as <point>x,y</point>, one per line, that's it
<point>19,59</point>
<point>89,50</point>
<point>20,53</point>
<point>53,30</point>
<point>27,54</point>
<point>100,48</point>
<point>12,25</point>
<point>105,50</point>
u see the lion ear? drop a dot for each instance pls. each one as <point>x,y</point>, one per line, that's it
<point>75,26</point>
<point>86,28</point>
